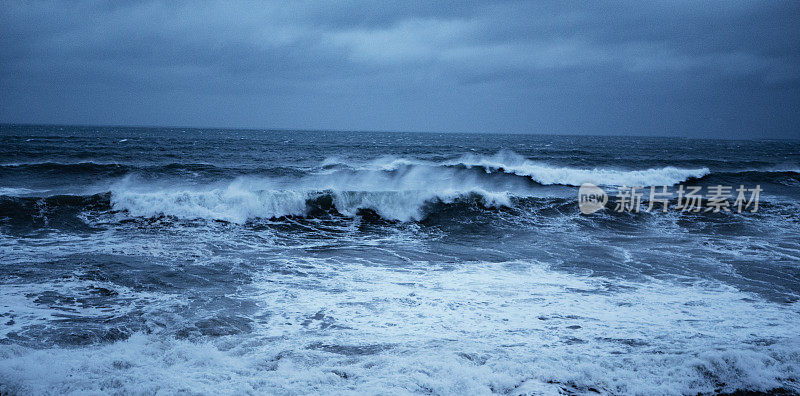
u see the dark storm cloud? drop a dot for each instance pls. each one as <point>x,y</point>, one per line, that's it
<point>677,68</point>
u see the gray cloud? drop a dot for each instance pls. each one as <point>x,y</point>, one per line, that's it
<point>677,68</point>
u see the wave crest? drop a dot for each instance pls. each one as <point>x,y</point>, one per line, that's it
<point>510,162</point>
<point>245,199</point>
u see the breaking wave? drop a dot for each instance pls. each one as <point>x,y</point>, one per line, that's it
<point>244,199</point>
<point>509,162</point>
<point>393,188</point>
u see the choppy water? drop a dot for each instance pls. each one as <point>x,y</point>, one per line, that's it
<point>168,260</point>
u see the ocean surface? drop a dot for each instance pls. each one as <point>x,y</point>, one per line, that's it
<point>158,260</point>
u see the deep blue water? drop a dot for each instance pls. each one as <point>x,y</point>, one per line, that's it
<point>156,259</point>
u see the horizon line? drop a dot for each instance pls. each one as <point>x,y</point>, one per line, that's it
<point>281,129</point>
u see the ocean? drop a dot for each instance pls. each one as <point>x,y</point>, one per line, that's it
<point>212,261</point>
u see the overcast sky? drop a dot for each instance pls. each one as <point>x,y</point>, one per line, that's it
<point>679,68</point>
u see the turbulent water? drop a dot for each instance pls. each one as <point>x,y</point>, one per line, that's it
<point>140,260</point>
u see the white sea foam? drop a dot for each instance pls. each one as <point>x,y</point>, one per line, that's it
<point>234,202</point>
<point>479,329</point>
<point>392,163</point>
<point>396,196</point>
<point>511,162</point>
<point>543,173</point>
<point>395,188</point>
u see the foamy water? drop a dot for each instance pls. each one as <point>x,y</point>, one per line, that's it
<point>236,262</point>
<point>480,328</point>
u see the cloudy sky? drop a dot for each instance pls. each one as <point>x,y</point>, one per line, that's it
<point>678,68</point>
